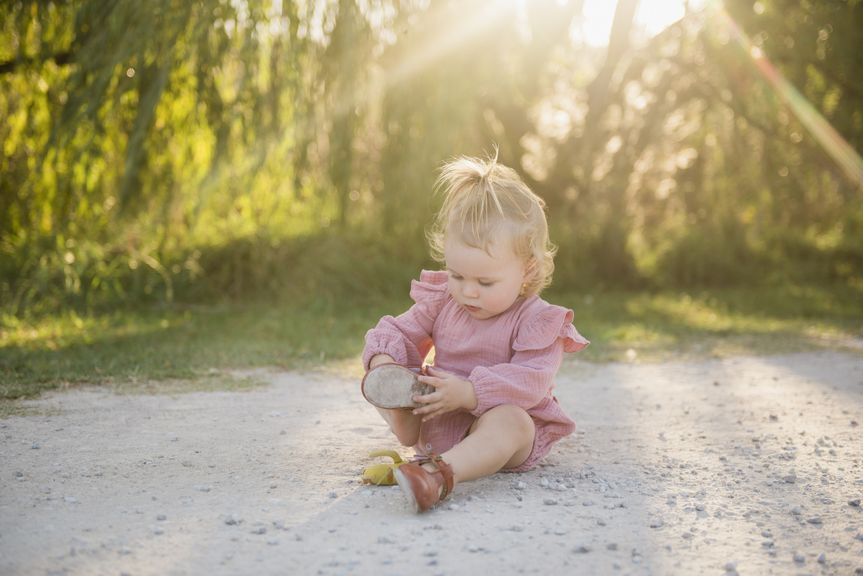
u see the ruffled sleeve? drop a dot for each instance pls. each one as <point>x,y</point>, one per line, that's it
<point>430,290</point>
<point>407,338</point>
<point>546,326</point>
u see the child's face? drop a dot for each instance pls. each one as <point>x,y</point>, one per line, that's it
<point>484,284</point>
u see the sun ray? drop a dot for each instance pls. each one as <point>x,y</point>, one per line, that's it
<point>833,143</point>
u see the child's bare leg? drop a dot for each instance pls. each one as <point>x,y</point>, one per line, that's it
<point>500,438</point>
<point>403,424</point>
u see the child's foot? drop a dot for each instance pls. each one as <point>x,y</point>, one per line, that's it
<point>393,386</point>
<point>424,488</point>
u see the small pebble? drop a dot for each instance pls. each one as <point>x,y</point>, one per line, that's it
<point>550,502</point>
<point>854,503</point>
<point>581,549</point>
<point>822,558</point>
<point>158,531</point>
<point>232,520</point>
<point>259,530</point>
<point>35,446</point>
<point>657,523</point>
<point>332,495</point>
<point>161,517</point>
<point>814,520</point>
<point>611,546</point>
<point>731,566</point>
<point>799,558</point>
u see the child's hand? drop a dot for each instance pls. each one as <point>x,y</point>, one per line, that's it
<point>451,393</point>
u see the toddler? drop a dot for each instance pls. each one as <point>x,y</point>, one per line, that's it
<point>486,404</point>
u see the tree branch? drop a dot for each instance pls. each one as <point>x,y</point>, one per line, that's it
<point>60,59</point>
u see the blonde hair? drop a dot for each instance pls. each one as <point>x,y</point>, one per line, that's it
<point>482,199</point>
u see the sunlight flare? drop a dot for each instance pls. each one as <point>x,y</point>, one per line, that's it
<point>824,133</point>
<point>652,17</point>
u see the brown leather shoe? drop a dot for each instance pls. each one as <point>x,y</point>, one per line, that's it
<point>393,386</point>
<point>422,488</point>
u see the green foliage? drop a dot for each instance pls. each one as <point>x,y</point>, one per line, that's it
<point>185,151</point>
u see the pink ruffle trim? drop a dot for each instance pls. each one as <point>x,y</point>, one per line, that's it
<point>549,324</point>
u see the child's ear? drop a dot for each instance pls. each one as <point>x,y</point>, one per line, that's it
<point>530,268</point>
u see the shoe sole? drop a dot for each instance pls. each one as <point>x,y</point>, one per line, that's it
<point>393,386</point>
<point>405,485</point>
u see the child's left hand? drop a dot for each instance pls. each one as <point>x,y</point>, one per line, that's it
<point>451,393</point>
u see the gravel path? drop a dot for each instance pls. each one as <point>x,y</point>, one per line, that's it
<point>744,465</point>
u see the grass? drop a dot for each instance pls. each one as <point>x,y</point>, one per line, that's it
<point>716,323</point>
<point>197,348</point>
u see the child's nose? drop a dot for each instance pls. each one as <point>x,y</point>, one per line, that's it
<point>470,290</point>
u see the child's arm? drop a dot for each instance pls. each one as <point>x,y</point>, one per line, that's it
<point>525,381</point>
<point>528,378</point>
<point>407,339</point>
<point>379,359</point>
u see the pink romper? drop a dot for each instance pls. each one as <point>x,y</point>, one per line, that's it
<point>511,358</point>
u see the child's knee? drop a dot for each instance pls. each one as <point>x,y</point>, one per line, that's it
<point>517,419</point>
<point>407,437</point>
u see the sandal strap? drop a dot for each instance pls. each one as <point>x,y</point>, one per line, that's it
<point>443,467</point>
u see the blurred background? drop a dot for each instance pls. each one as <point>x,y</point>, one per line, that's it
<point>178,152</point>
<point>175,150</point>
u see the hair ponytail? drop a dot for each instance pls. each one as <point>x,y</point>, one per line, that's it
<point>484,199</point>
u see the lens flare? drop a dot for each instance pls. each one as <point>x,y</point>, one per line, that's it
<point>833,143</point>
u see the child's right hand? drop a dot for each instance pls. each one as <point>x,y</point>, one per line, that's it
<point>451,393</point>
<point>379,359</point>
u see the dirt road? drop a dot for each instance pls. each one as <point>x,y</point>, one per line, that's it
<point>749,465</point>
